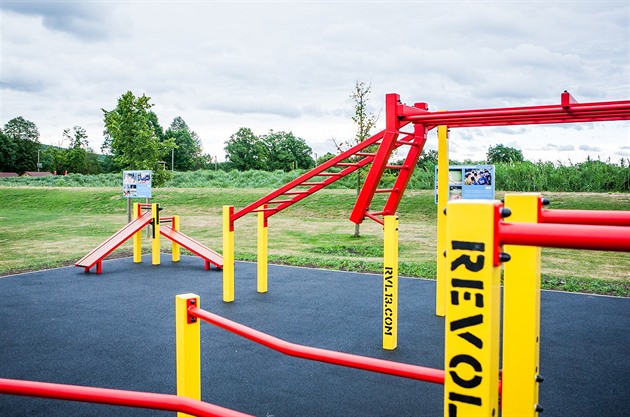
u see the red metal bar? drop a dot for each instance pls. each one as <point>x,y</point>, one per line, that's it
<point>593,217</point>
<point>570,236</point>
<point>138,399</point>
<point>404,370</point>
<point>373,217</point>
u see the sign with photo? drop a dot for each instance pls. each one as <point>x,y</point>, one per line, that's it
<point>469,182</point>
<point>137,184</point>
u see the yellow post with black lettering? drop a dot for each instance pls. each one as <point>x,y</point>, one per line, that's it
<point>521,315</point>
<point>155,241</point>
<point>175,248</point>
<point>390,282</point>
<point>137,237</point>
<point>228,254</point>
<point>473,302</point>
<point>188,349</point>
<point>442,199</point>
<point>262,266</point>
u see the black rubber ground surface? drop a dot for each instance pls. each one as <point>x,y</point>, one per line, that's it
<point>117,330</point>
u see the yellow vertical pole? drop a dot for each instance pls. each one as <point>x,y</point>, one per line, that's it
<point>175,248</point>
<point>471,347</point>
<point>262,251</point>
<point>442,199</point>
<point>521,315</point>
<point>137,237</point>
<point>390,283</point>
<point>188,349</point>
<point>228,254</point>
<point>155,242</point>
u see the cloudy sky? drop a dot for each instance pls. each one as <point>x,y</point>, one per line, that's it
<point>291,65</point>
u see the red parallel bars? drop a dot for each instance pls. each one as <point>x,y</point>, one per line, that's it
<point>570,236</point>
<point>592,217</point>
<point>420,373</point>
<point>138,399</point>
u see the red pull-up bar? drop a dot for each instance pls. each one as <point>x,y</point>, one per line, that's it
<point>138,399</point>
<point>592,217</point>
<point>404,370</point>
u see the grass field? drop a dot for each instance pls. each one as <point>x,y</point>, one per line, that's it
<point>43,227</point>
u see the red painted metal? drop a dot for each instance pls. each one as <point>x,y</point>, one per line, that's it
<point>137,399</point>
<point>570,236</point>
<point>593,217</point>
<point>322,355</point>
<point>199,249</point>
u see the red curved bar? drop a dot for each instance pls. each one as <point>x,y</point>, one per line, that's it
<point>593,217</point>
<point>138,399</point>
<point>570,236</point>
<point>404,370</point>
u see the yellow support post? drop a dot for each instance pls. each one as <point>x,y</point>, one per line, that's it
<point>175,248</point>
<point>442,200</point>
<point>262,263</point>
<point>155,241</point>
<point>390,283</point>
<point>521,315</point>
<point>188,349</point>
<point>473,302</point>
<point>137,237</point>
<point>228,254</point>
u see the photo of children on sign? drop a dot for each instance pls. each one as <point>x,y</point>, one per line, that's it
<point>469,182</point>
<point>137,184</point>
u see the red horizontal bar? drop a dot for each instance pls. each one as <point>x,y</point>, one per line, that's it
<point>594,217</point>
<point>404,370</point>
<point>570,236</point>
<point>373,217</point>
<point>138,399</point>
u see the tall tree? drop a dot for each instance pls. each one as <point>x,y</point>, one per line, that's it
<point>187,155</point>
<point>245,151</point>
<point>132,137</point>
<point>503,154</point>
<point>365,121</point>
<point>25,137</point>
<point>7,153</point>
<point>285,152</point>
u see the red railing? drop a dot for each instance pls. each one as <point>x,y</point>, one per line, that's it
<point>592,217</point>
<point>137,399</point>
<point>404,370</point>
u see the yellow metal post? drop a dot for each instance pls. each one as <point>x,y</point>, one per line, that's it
<point>442,199</point>
<point>228,254</point>
<point>175,248</point>
<point>188,349</point>
<point>137,237</point>
<point>390,283</point>
<point>155,241</point>
<point>473,302</point>
<point>262,251</point>
<point>521,315</point>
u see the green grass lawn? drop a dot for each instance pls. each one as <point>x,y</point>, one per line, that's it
<point>43,227</point>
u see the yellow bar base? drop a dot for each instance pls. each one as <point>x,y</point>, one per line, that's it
<point>155,242</point>
<point>262,264</point>
<point>442,200</point>
<point>137,237</point>
<point>188,349</point>
<point>228,255</point>
<point>390,283</point>
<point>175,248</point>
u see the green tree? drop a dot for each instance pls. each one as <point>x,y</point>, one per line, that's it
<point>245,151</point>
<point>503,154</point>
<point>25,137</point>
<point>132,137</point>
<point>364,121</point>
<point>187,155</point>
<point>286,152</point>
<point>7,153</point>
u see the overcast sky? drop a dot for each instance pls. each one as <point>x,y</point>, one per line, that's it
<point>291,65</point>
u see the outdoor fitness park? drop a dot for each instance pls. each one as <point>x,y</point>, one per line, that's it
<point>490,349</point>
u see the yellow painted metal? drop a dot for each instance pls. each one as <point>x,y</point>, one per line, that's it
<point>175,248</point>
<point>188,349</point>
<point>228,254</point>
<point>155,241</point>
<point>442,199</point>
<point>137,237</point>
<point>390,283</point>
<point>262,252</point>
<point>521,315</point>
<point>473,302</point>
